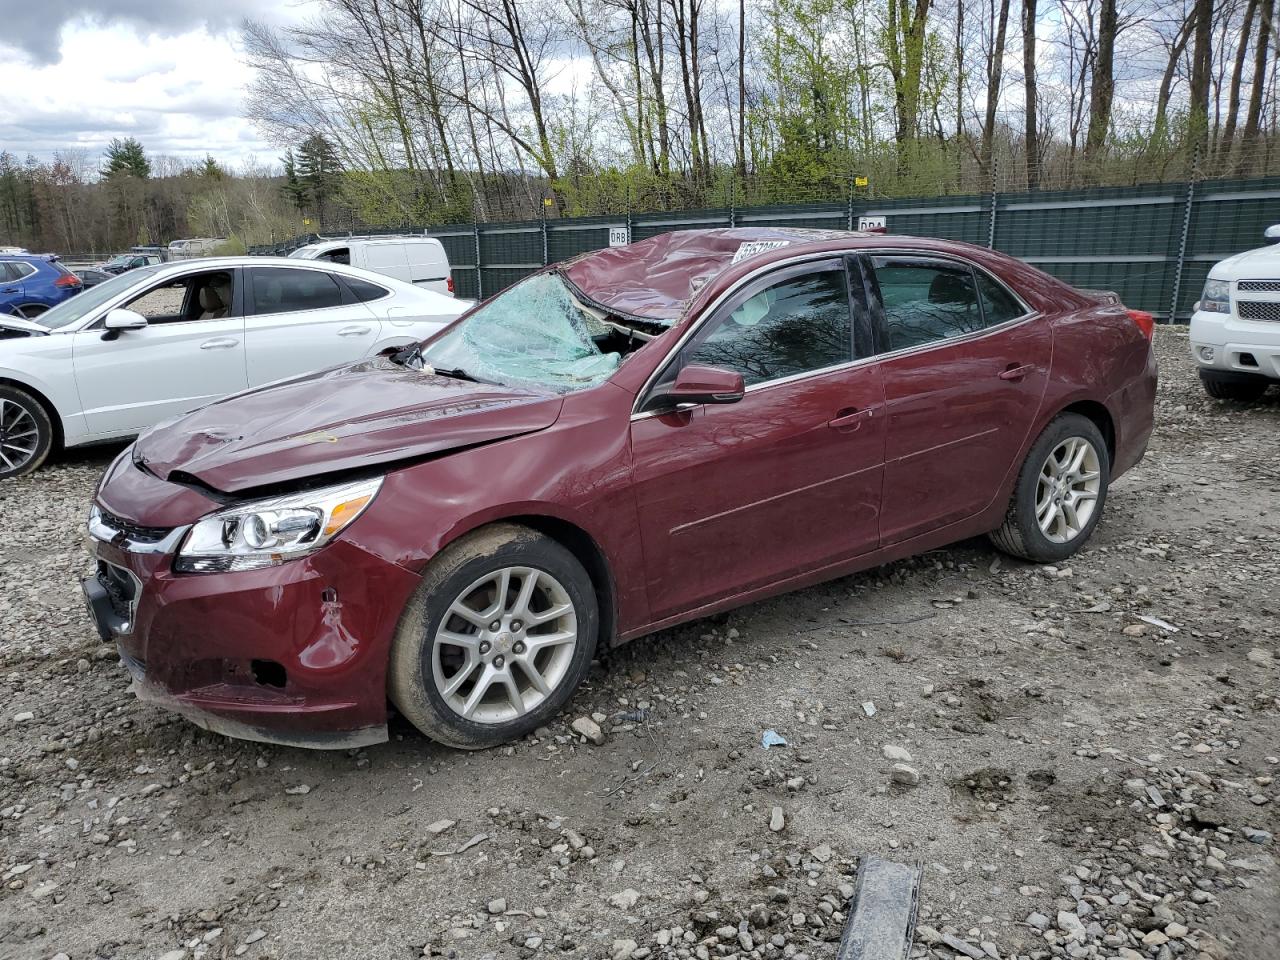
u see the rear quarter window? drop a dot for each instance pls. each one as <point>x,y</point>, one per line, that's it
<point>365,291</point>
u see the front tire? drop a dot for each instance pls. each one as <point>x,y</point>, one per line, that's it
<point>26,433</point>
<point>1060,492</point>
<point>1234,388</point>
<point>495,640</point>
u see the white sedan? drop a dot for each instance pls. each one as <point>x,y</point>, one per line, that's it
<point>162,340</point>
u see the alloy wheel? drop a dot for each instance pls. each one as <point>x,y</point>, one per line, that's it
<point>1067,492</point>
<point>19,436</point>
<point>505,645</point>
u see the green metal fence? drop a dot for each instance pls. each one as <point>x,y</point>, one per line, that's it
<point>1152,244</point>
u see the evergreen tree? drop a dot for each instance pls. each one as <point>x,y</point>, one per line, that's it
<point>293,188</point>
<point>127,157</point>
<point>319,172</point>
<point>211,170</point>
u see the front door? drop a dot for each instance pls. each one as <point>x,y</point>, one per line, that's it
<point>190,353</point>
<point>300,319</point>
<point>964,373</point>
<point>786,480</point>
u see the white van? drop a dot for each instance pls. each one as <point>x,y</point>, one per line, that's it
<point>198,247</point>
<point>417,260</point>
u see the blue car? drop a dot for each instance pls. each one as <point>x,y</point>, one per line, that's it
<point>30,284</point>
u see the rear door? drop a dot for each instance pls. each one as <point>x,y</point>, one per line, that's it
<point>185,357</point>
<point>428,265</point>
<point>300,319</point>
<point>965,368</point>
<point>11,289</point>
<point>783,482</point>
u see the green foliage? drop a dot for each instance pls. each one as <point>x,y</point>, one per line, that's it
<point>211,170</point>
<point>293,187</point>
<point>126,157</point>
<point>233,246</point>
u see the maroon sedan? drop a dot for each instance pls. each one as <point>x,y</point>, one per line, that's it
<point>636,438</point>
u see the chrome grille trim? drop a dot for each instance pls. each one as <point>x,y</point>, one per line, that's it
<point>1259,310</point>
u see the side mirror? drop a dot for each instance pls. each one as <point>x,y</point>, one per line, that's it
<point>1272,233</point>
<point>119,320</point>
<point>699,384</point>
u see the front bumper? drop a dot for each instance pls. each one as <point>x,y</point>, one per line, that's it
<point>1243,347</point>
<point>294,654</point>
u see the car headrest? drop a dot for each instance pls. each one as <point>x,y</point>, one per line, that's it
<point>951,288</point>
<point>210,298</point>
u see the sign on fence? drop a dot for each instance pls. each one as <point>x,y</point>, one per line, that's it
<point>873,224</point>
<point>618,236</point>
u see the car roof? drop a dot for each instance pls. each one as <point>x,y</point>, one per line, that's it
<point>28,257</point>
<point>226,263</point>
<point>656,279</point>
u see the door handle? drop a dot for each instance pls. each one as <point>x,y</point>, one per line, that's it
<point>850,419</point>
<point>219,343</point>
<point>355,331</point>
<point>1015,372</point>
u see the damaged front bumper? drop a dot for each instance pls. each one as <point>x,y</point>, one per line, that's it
<point>294,654</point>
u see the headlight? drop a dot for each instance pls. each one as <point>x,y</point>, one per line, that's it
<point>269,532</point>
<point>1216,297</point>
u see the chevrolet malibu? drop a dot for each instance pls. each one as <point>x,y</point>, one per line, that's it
<point>636,438</point>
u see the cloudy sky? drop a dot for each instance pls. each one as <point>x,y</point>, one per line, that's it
<point>78,72</point>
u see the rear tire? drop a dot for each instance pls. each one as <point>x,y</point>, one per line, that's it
<point>1234,388</point>
<point>30,311</point>
<point>1060,492</point>
<point>26,433</point>
<point>511,659</point>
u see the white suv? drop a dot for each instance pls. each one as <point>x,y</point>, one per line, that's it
<point>1235,330</point>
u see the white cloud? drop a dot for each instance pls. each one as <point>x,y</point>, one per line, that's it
<point>179,91</point>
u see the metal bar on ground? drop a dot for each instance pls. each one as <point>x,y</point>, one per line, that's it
<point>882,913</point>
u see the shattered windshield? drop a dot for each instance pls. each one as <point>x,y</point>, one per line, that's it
<point>535,333</point>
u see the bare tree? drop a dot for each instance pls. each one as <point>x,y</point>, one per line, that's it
<point>1030,94</point>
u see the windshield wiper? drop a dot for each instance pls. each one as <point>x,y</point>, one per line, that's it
<point>457,373</point>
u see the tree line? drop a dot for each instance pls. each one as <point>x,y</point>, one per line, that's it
<point>394,112</point>
<point>448,109</point>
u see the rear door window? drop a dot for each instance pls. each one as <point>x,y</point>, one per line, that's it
<point>926,301</point>
<point>998,304</point>
<point>290,290</point>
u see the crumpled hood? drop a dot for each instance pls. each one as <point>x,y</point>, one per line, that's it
<point>370,413</point>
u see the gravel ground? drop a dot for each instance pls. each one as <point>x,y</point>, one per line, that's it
<point>1082,782</point>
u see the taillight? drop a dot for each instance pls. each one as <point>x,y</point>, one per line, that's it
<point>449,284</point>
<point>1145,321</point>
<point>67,280</point>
